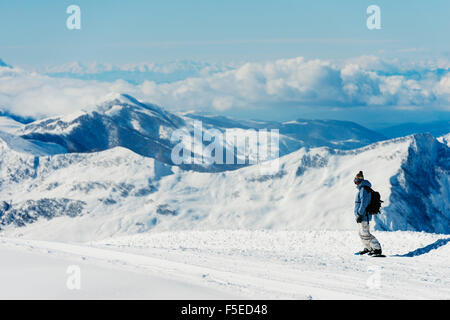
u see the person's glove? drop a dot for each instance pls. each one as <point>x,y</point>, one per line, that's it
<point>359,219</point>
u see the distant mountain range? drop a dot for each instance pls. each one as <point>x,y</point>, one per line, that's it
<point>310,133</point>
<point>146,129</point>
<point>109,171</point>
<point>136,73</point>
<point>436,128</point>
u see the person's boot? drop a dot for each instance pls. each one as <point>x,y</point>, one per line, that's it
<point>363,251</point>
<point>375,252</point>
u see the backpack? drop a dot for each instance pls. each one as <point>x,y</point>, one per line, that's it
<point>375,201</point>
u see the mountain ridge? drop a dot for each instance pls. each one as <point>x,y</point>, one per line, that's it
<point>125,193</point>
<point>436,128</point>
<point>146,129</point>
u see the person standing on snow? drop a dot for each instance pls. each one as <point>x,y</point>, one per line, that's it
<point>371,244</point>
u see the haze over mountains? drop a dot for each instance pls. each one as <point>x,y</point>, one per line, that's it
<point>436,128</point>
<point>137,73</point>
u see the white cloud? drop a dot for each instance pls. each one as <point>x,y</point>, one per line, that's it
<point>313,83</point>
<point>365,81</point>
<point>32,94</point>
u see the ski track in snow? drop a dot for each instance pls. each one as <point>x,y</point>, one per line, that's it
<point>271,264</point>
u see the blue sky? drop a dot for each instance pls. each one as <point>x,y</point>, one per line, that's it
<point>116,31</point>
<point>34,34</point>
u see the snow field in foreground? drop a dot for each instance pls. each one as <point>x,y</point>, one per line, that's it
<point>247,264</point>
<point>31,272</point>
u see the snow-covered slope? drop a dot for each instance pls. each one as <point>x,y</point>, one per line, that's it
<point>10,130</point>
<point>227,264</point>
<point>35,148</point>
<point>43,274</point>
<point>420,191</point>
<point>9,125</point>
<point>119,192</point>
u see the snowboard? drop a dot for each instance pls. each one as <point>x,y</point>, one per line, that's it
<point>374,256</point>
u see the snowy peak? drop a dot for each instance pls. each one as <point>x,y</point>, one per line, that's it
<point>147,129</point>
<point>128,104</point>
<point>122,121</point>
<point>115,106</point>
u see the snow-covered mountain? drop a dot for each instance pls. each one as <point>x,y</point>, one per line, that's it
<point>117,192</point>
<point>123,121</point>
<point>147,129</point>
<point>310,133</point>
<point>109,171</point>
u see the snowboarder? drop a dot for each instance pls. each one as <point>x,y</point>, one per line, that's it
<point>371,244</point>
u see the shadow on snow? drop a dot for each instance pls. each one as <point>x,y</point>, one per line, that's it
<point>426,249</point>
